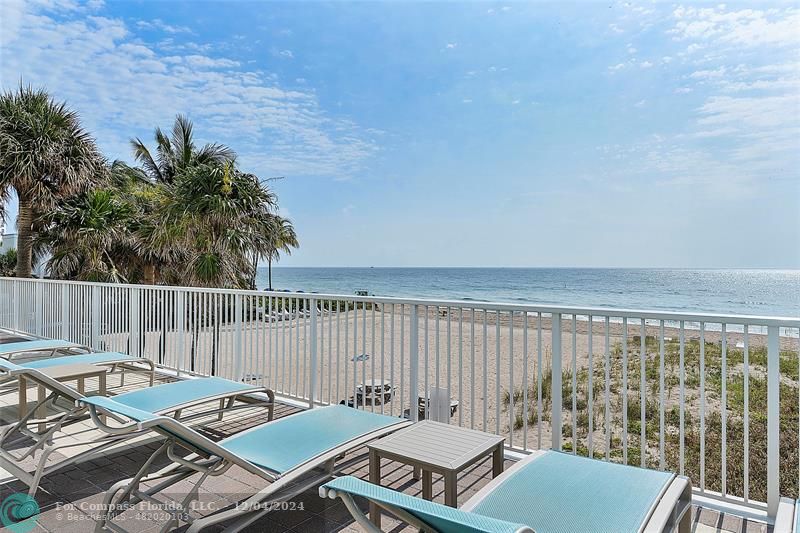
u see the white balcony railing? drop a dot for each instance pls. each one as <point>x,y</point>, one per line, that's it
<point>713,397</point>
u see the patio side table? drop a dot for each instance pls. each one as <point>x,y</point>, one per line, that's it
<point>434,447</point>
<point>78,372</point>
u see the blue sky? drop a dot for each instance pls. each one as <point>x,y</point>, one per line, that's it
<point>461,134</point>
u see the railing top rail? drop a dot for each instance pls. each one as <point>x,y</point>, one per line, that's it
<point>786,322</point>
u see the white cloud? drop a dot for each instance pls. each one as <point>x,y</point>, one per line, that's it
<point>683,90</point>
<point>645,64</point>
<point>640,103</point>
<point>466,101</point>
<point>745,27</point>
<point>631,49</point>
<point>286,54</point>
<point>618,66</point>
<point>515,102</point>
<point>160,25</point>
<point>122,88</point>
<point>450,46</point>
<point>615,28</point>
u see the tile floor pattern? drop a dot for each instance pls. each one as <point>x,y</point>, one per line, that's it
<point>70,497</point>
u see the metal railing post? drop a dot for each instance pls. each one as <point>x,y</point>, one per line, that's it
<point>95,317</point>
<point>238,355</point>
<point>312,347</point>
<point>773,420</point>
<point>134,335</point>
<point>413,346</point>
<point>38,306</point>
<point>555,329</point>
<point>180,326</point>
<point>15,291</point>
<point>65,315</point>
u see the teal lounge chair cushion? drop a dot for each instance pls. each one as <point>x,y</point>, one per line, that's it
<point>440,517</point>
<point>560,492</point>
<point>163,398</point>
<point>87,359</point>
<point>111,406</point>
<point>35,345</point>
<point>288,442</point>
<point>8,366</point>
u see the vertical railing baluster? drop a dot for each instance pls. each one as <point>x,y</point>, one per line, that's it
<point>746,414</point>
<point>539,380</point>
<point>724,411</point>
<point>497,372</point>
<point>413,361</point>
<point>574,384</point>
<point>625,390</point>
<point>682,399</point>
<point>312,385</point>
<point>556,392</point>
<point>608,388</point>
<point>65,315</point>
<point>773,420</point>
<point>702,406</point>
<point>590,391</point>
<point>525,382</point>
<point>642,386</point>
<point>661,352</point>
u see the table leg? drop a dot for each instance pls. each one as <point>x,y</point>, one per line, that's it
<point>498,460</point>
<point>41,412</point>
<point>451,489</point>
<point>23,397</point>
<point>81,386</point>
<point>375,479</point>
<point>415,474</point>
<point>102,379</point>
<point>427,485</point>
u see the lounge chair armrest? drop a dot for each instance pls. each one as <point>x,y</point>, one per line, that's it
<point>422,512</point>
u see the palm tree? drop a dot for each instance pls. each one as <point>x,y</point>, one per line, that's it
<point>174,153</point>
<point>89,237</point>
<point>282,238</point>
<point>45,155</point>
<point>212,218</point>
<point>177,152</point>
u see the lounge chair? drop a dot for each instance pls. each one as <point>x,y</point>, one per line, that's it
<point>788,518</point>
<point>15,350</point>
<point>114,360</point>
<point>170,398</point>
<point>283,453</point>
<point>546,492</point>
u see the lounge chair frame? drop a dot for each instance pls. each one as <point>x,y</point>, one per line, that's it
<point>209,459</point>
<point>44,442</point>
<point>786,518</point>
<point>669,512</point>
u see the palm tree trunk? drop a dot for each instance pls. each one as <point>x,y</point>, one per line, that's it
<point>149,275</point>
<point>24,238</point>
<point>269,267</point>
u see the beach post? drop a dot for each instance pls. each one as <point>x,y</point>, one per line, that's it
<point>773,421</point>
<point>555,328</point>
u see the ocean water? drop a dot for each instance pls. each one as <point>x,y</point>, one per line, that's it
<point>752,292</point>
